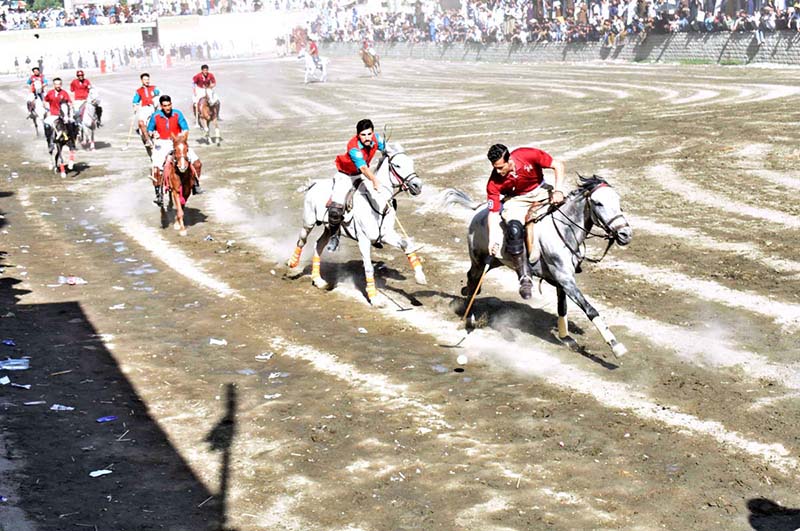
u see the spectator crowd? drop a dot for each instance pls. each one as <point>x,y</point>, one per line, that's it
<point>530,21</point>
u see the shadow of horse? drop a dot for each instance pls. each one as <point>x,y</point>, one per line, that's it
<point>192,216</point>
<point>766,515</point>
<point>101,145</point>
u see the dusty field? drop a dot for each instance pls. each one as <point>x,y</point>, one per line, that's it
<point>340,430</point>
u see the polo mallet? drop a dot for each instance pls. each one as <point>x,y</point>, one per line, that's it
<point>399,306</point>
<point>130,132</point>
<point>477,288</point>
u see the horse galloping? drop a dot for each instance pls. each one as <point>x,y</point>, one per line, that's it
<point>371,61</point>
<point>559,237</point>
<point>87,119</point>
<point>313,72</point>
<point>208,112</point>
<point>176,180</point>
<point>36,112</point>
<point>371,221</point>
<point>64,133</point>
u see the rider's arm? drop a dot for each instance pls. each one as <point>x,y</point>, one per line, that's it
<point>559,171</point>
<point>381,143</point>
<point>493,220</point>
<point>136,99</point>
<point>182,121</point>
<point>151,125</point>
<point>363,167</point>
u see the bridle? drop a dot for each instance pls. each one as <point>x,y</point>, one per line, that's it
<point>610,228</point>
<point>402,182</point>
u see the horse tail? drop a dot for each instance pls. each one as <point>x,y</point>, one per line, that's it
<point>309,184</point>
<point>450,196</point>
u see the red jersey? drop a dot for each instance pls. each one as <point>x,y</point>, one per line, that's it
<point>357,155</point>
<point>527,176</point>
<point>36,79</point>
<point>146,95</point>
<point>55,99</point>
<point>202,81</point>
<point>312,48</point>
<point>80,88</point>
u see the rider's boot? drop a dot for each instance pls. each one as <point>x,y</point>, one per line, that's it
<point>335,217</point>
<point>198,168</point>
<point>515,247</point>
<point>159,200</point>
<point>99,115</point>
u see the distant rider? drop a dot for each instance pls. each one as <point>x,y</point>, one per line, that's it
<point>313,51</point>
<point>350,166</point>
<point>144,106</point>
<point>201,81</point>
<point>80,88</point>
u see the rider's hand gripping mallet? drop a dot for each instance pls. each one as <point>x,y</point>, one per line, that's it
<point>477,288</point>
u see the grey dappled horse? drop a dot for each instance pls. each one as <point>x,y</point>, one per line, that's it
<point>559,237</point>
<point>87,119</point>
<point>371,220</point>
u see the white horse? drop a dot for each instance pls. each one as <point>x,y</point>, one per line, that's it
<point>370,222</point>
<point>87,119</point>
<point>314,73</point>
<point>559,237</point>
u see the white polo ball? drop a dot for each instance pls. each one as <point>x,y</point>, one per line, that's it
<point>462,359</point>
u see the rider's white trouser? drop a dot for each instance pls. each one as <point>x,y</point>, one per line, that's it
<point>144,112</point>
<point>50,119</point>
<point>162,149</point>
<point>517,207</point>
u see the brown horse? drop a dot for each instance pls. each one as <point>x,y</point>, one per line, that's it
<point>208,113</point>
<point>372,62</point>
<point>178,178</point>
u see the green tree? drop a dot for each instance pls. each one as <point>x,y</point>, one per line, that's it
<point>40,5</point>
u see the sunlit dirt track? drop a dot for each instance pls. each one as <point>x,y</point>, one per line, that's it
<point>373,429</point>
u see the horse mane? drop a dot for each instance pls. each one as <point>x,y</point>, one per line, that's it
<point>590,183</point>
<point>393,148</point>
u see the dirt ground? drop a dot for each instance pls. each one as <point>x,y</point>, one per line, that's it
<point>322,412</point>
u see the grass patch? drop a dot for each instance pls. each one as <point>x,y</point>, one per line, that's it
<point>693,61</point>
<point>732,62</point>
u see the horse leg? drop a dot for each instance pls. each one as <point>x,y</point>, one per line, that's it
<point>414,261</point>
<point>364,245</point>
<point>177,201</point>
<point>298,249</point>
<point>567,283</point>
<point>316,278</point>
<point>563,329</point>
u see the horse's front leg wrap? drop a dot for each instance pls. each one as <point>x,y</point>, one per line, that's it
<point>315,263</point>
<point>617,348</point>
<point>416,265</point>
<point>372,291</point>
<point>295,259</point>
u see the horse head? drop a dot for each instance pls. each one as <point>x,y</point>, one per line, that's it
<point>605,210</point>
<point>64,113</point>
<point>211,96</point>
<point>92,97</point>
<point>401,170</point>
<point>180,151</point>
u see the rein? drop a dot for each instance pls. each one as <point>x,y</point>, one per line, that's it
<point>579,254</point>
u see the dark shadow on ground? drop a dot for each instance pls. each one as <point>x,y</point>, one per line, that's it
<point>766,515</point>
<point>151,487</point>
<point>220,439</point>
<point>101,145</point>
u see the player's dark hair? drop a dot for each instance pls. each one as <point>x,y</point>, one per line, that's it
<point>164,99</point>
<point>363,125</point>
<point>496,152</point>
<point>144,74</point>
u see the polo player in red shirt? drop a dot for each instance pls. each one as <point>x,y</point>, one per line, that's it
<point>144,106</point>
<point>80,88</point>
<point>53,99</point>
<point>201,81</point>
<point>350,166</point>
<point>517,176</point>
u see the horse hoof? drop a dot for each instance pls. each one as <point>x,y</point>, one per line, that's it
<point>619,350</point>
<point>378,301</point>
<point>183,232</point>
<point>420,279</point>
<point>176,226</point>
<point>291,264</point>
<point>70,165</point>
<point>320,283</point>
<point>63,174</point>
